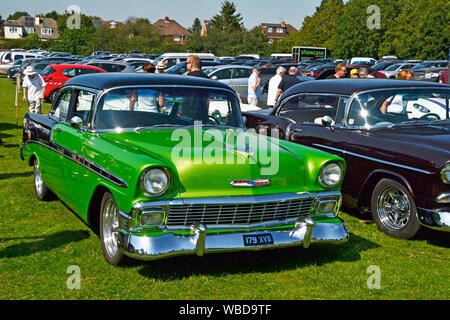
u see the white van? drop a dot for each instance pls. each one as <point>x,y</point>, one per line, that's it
<point>281,55</point>
<point>356,59</point>
<point>171,59</point>
<point>12,56</point>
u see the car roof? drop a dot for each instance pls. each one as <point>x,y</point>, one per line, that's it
<point>350,86</point>
<point>66,66</point>
<point>115,79</point>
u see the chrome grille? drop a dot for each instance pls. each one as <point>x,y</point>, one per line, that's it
<point>218,214</point>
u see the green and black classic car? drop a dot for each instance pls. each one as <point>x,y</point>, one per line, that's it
<point>162,165</point>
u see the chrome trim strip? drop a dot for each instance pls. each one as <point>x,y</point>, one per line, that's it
<point>443,198</point>
<point>372,159</point>
<point>82,161</point>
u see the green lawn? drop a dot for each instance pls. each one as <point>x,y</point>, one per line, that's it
<point>39,241</point>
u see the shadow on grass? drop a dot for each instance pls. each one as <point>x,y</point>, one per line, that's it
<point>435,238</point>
<point>6,176</point>
<point>47,243</point>
<point>9,126</point>
<point>10,145</point>
<point>276,260</point>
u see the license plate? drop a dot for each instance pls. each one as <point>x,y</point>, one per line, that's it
<point>258,240</point>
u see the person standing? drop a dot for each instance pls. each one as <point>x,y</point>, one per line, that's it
<point>354,73</point>
<point>287,81</point>
<point>148,68</point>
<point>33,90</point>
<point>253,83</point>
<point>273,86</point>
<point>194,67</point>
<point>161,67</point>
<point>340,71</point>
<point>364,73</point>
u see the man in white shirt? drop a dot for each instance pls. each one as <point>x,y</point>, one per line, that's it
<point>253,83</point>
<point>33,90</point>
<point>273,86</point>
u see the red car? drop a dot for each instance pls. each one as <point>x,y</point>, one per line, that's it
<point>374,73</point>
<point>56,75</point>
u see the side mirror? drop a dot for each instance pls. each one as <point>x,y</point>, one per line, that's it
<point>76,123</point>
<point>327,121</point>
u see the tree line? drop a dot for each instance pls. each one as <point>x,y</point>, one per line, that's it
<point>413,29</point>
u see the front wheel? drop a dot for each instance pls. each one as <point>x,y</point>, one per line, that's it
<point>109,226</point>
<point>394,210</point>
<point>42,191</point>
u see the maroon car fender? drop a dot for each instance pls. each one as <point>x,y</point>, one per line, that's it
<point>374,177</point>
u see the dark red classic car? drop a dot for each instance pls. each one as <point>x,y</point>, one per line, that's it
<point>394,135</point>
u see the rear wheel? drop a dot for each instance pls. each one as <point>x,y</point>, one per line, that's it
<point>109,226</point>
<point>42,192</point>
<point>394,210</point>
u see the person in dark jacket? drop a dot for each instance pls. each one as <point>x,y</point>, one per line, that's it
<point>194,66</point>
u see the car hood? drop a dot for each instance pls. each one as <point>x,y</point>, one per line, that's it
<point>429,142</point>
<point>202,172</point>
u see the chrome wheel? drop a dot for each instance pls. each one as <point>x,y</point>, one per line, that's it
<point>110,225</point>
<point>394,208</point>
<point>38,182</point>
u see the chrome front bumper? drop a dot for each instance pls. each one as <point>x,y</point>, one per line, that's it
<point>199,242</point>
<point>433,219</point>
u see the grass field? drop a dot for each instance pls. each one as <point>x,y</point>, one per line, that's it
<point>39,241</point>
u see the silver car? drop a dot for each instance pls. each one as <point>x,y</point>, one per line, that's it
<point>391,72</point>
<point>236,76</point>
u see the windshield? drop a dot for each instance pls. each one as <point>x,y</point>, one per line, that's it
<point>208,71</point>
<point>147,107</point>
<point>392,107</point>
<point>393,67</point>
<point>48,71</point>
<point>422,65</point>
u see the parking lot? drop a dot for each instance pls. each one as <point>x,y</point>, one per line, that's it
<point>39,242</point>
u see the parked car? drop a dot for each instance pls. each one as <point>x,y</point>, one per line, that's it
<point>392,71</point>
<point>236,76</point>
<point>398,161</point>
<point>110,66</point>
<point>181,67</point>
<point>171,59</point>
<point>56,75</point>
<point>429,70</point>
<point>315,70</point>
<point>148,203</point>
<point>382,65</point>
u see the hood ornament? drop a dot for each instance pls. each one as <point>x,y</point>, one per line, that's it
<point>250,183</point>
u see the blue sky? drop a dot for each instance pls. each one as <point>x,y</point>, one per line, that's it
<point>254,12</point>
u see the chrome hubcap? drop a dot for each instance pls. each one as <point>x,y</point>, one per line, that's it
<point>110,227</point>
<point>394,208</point>
<point>38,182</point>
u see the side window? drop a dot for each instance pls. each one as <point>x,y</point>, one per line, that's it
<point>223,74</point>
<point>241,73</point>
<point>89,71</point>
<point>61,108</point>
<point>310,108</point>
<point>171,62</point>
<point>70,73</point>
<point>83,106</point>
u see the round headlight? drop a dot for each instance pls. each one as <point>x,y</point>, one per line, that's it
<point>330,175</point>
<point>445,174</point>
<point>155,182</point>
